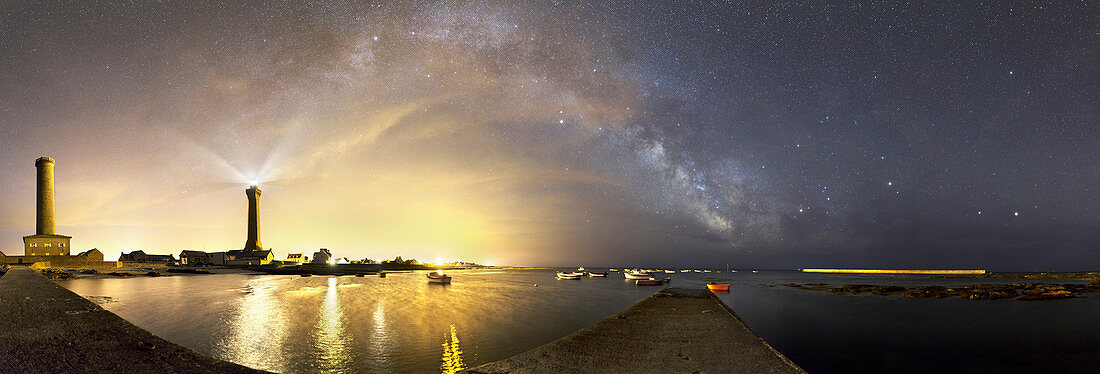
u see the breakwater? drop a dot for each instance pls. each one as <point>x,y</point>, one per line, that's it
<point>895,271</point>
<point>676,330</point>
<point>49,329</point>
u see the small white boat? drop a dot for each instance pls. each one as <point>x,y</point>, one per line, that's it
<point>685,271</point>
<point>698,271</point>
<point>604,275</point>
<point>573,274</point>
<point>755,271</point>
<point>636,274</point>
<point>568,276</point>
<point>437,277</point>
<point>612,269</point>
<point>670,271</point>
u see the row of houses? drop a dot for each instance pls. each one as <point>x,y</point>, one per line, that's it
<point>234,257</point>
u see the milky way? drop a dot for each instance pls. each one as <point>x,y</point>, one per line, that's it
<point>759,134</point>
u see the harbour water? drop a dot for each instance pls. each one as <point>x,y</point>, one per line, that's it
<point>403,324</point>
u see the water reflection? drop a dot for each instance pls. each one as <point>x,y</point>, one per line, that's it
<point>257,327</point>
<point>381,344</point>
<point>452,354</point>
<point>331,343</point>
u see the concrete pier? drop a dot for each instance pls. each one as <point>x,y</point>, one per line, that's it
<point>673,331</point>
<point>45,328</point>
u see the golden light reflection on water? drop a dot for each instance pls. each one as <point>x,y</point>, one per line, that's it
<point>258,326</point>
<point>381,344</point>
<point>330,341</point>
<point>452,353</point>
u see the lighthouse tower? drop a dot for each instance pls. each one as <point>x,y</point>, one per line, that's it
<point>253,242</point>
<point>45,242</point>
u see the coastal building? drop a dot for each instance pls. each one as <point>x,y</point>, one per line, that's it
<point>322,256</point>
<point>200,258</point>
<point>140,256</point>
<point>296,258</point>
<point>46,246</point>
<point>246,257</point>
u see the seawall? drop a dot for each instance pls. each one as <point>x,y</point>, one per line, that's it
<point>887,271</point>
<point>674,331</point>
<point>45,328</point>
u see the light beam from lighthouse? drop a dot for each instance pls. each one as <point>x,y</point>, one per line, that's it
<point>253,242</point>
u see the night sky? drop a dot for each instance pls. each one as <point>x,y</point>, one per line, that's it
<point>761,134</point>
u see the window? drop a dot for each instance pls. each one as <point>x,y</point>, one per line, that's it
<point>34,245</point>
<point>47,245</point>
<point>61,244</point>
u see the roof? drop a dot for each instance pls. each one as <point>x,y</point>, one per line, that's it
<point>45,236</point>
<point>187,252</point>
<point>88,251</point>
<point>242,254</point>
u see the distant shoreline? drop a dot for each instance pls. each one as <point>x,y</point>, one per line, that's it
<point>890,271</point>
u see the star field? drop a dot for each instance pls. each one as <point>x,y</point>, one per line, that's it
<point>760,134</point>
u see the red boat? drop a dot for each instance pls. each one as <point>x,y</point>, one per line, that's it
<point>718,287</point>
<point>649,282</point>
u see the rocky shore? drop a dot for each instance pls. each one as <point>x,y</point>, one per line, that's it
<point>1020,291</point>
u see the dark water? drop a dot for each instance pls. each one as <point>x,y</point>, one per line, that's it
<point>402,324</point>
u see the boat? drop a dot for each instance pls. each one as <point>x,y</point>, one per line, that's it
<point>649,282</point>
<point>603,275</point>
<point>612,269</point>
<point>685,271</point>
<point>381,274</point>
<point>718,287</point>
<point>755,271</point>
<point>572,274</point>
<point>306,274</point>
<point>670,271</point>
<point>568,276</point>
<point>697,271</point>
<point>437,277</point>
<point>706,271</point>
<point>636,274</point>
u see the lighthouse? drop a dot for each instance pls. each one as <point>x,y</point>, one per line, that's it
<point>253,242</point>
<point>45,241</point>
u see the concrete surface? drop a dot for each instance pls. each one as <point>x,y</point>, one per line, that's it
<point>674,331</point>
<point>45,328</point>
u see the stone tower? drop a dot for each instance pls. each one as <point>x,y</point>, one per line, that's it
<point>44,225</point>
<point>253,242</point>
<point>45,241</point>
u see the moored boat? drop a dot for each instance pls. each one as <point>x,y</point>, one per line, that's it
<point>718,287</point>
<point>649,282</point>
<point>636,274</point>
<point>568,276</point>
<point>437,277</point>
<point>670,271</point>
<point>604,275</point>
